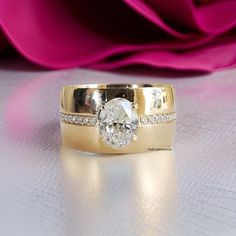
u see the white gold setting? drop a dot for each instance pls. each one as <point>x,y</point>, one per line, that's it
<point>118,122</point>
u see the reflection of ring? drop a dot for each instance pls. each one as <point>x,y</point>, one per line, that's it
<point>118,118</point>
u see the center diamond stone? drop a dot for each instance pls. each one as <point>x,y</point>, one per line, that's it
<point>118,122</point>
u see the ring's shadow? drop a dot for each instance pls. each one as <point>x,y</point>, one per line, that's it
<point>119,195</point>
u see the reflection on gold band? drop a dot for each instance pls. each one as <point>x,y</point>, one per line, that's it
<point>134,191</point>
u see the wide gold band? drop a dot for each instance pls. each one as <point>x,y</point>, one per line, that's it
<point>153,103</point>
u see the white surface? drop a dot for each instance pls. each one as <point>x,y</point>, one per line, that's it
<point>45,191</point>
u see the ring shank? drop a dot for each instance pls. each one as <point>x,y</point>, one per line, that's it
<point>151,98</point>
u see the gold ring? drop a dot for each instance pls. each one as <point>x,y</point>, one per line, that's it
<point>118,118</point>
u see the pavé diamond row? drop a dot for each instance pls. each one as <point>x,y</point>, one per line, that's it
<point>157,118</point>
<point>92,120</point>
<point>79,119</point>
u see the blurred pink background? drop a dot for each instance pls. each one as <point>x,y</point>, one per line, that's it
<point>176,34</point>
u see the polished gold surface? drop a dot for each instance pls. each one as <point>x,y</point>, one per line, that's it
<point>148,99</point>
<point>151,98</point>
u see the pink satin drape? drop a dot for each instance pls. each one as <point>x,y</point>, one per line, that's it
<point>177,34</point>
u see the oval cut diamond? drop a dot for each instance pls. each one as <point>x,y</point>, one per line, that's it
<point>118,122</point>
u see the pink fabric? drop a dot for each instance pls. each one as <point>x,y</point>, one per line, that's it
<point>105,34</point>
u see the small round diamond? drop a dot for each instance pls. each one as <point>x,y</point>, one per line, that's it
<point>66,118</point>
<point>151,119</point>
<point>81,120</point>
<point>70,119</point>
<point>143,120</point>
<point>62,117</point>
<point>77,120</point>
<point>165,117</point>
<point>156,119</point>
<point>87,121</point>
<point>118,122</point>
<point>93,121</point>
